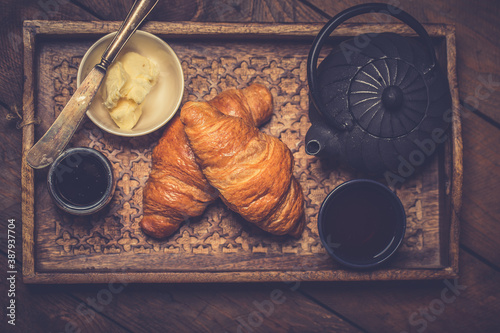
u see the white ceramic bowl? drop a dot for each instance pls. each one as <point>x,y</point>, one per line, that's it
<point>160,104</point>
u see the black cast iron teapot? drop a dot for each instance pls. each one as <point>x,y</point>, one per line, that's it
<point>379,105</point>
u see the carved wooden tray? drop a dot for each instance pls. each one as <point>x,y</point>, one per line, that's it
<point>219,246</point>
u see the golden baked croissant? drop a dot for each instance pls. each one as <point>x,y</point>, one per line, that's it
<point>251,170</point>
<point>177,189</point>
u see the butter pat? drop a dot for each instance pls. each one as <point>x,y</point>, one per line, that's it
<point>128,81</point>
<point>126,113</point>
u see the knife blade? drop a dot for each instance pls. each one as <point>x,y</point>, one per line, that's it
<point>54,140</point>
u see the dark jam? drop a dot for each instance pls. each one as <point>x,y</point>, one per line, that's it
<point>80,179</point>
<point>360,223</point>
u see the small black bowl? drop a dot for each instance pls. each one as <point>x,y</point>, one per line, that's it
<point>81,181</point>
<point>361,223</point>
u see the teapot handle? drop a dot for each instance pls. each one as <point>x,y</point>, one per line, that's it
<point>338,19</point>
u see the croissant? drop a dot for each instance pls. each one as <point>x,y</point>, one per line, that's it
<point>177,189</point>
<point>251,170</point>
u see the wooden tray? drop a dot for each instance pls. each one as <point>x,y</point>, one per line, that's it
<point>218,247</point>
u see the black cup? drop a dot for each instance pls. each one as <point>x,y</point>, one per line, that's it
<point>81,181</point>
<point>361,223</point>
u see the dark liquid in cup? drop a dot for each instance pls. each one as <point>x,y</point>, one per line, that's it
<point>80,179</point>
<point>360,223</point>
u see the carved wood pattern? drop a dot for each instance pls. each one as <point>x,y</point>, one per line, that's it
<point>112,237</point>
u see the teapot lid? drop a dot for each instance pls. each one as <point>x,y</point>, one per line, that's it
<point>387,95</point>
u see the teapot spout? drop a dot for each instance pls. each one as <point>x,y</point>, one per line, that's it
<point>314,147</point>
<point>322,141</point>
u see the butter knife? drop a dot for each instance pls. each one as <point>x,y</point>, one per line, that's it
<point>52,143</point>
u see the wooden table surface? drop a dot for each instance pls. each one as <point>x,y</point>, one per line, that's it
<point>469,304</point>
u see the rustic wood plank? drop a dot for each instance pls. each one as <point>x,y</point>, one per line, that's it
<point>455,150</point>
<point>420,306</point>
<point>171,10</point>
<point>107,9</point>
<point>215,308</point>
<point>481,209</point>
<point>41,309</point>
<point>10,158</point>
<point>478,42</point>
<point>27,173</point>
<point>255,11</point>
<point>304,32</point>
